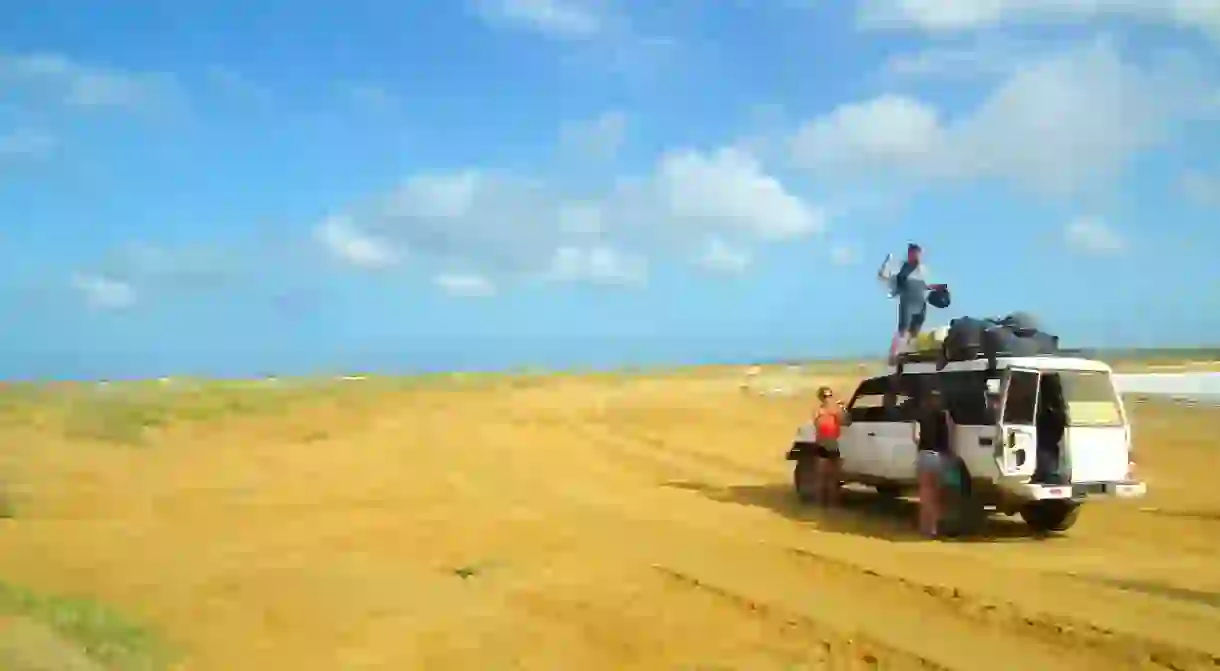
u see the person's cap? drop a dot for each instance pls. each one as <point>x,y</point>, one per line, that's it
<point>912,247</point>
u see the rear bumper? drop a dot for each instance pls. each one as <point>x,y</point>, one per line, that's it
<point>1081,491</point>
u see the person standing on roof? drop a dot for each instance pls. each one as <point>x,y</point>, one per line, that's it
<point>910,286</point>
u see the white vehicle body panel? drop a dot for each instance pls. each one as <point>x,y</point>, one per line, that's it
<point>1003,453</point>
<point>1098,454</point>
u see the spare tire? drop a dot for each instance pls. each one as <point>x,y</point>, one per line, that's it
<point>939,298</point>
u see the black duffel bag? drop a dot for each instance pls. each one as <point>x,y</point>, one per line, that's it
<point>1014,335</point>
<point>965,338</point>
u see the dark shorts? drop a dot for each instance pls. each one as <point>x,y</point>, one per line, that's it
<point>911,317</point>
<point>827,449</point>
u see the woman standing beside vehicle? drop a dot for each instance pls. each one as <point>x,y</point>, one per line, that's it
<point>828,422</point>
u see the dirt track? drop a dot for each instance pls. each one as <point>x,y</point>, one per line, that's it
<point>584,525</point>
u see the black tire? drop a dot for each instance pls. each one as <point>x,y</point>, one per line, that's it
<point>1048,516</point>
<point>888,491</point>
<point>804,479</point>
<point>960,514</point>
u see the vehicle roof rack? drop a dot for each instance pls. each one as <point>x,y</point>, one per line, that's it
<point>935,356</point>
<point>921,356</point>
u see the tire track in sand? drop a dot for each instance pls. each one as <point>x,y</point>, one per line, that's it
<point>660,456</point>
<point>833,649</point>
<point>1122,649</point>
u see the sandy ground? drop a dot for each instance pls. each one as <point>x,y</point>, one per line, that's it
<point>596,525</point>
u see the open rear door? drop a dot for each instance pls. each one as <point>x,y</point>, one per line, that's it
<point>1016,453</point>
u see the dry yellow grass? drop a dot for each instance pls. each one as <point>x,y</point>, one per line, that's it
<point>600,523</point>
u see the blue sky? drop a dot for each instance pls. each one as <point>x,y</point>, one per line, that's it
<point>238,188</point>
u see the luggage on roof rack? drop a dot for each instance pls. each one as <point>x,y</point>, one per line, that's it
<point>970,338</point>
<point>1014,335</point>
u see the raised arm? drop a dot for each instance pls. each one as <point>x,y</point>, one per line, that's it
<point>885,275</point>
<point>844,416</point>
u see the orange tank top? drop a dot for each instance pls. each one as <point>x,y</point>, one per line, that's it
<point>827,424</point>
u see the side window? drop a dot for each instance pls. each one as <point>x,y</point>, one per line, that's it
<point>908,395</point>
<point>994,387</point>
<point>968,399</point>
<point>1021,397</point>
<point>869,402</point>
<point>868,408</point>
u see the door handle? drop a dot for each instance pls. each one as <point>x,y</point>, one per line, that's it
<point>986,441</point>
<point>872,433</point>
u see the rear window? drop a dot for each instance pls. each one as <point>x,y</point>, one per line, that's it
<point>1090,398</point>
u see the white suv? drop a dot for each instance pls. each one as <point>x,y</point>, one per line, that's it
<point>1036,435</point>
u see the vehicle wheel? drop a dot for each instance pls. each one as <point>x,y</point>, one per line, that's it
<point>1046,516</point>
<point>888,491</point>
<point>804,479</point>
<point>961,513</point>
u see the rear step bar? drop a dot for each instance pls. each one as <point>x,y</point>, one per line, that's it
<point>1122,490</point>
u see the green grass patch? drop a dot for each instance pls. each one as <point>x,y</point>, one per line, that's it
<point>118,419</point>
<point>8,506</point>
<point>126,413</point>
<point>102,634</point>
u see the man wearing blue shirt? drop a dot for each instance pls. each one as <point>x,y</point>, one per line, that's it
<point>910,286</point>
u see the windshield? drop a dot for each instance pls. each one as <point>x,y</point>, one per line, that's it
<point>1090,398</point>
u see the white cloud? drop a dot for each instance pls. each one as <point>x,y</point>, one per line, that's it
<point>104,293</point>
<point>719,256</point>
<point>79,85</point>
<point>842,255</point>
<point>581,218</point>
<point>1093,236</point>
<point>339,236</point>
<point>466,285</point>
<point>562,19</point>
<point>598,264</point>
<point>728,189</point>
<point>492,221</point>
<point>889,130</point>
<point>448,196</point>
<point>598,138</point>
<point>26,143</point>
<point>1061,124</point>
<point>1201,189</point>
<point>963,15</point>
<point>515,226</point>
